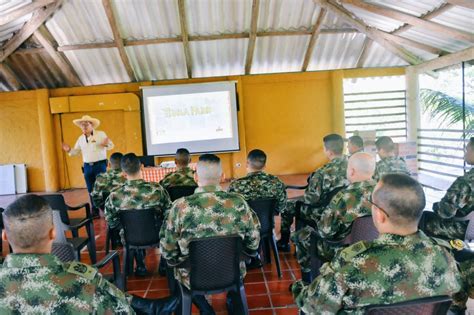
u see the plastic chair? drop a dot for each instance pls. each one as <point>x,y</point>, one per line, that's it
<point>56,201</point>
<point>436,305</point>
<point>78,243</point>
<point>214,265</point>
<point>177,192</point>
<point>265,210</point>
<point>141,231</point>
<point>66,253</point>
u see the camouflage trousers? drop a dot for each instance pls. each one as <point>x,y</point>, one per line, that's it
<point>324,251</point>
<point>287,215</point>
<point>444,228</point>
<point>467,290</point>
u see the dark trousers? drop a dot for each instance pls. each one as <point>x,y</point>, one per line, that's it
<point>90,174</point>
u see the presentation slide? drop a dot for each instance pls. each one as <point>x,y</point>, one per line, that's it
<point>199,117</point>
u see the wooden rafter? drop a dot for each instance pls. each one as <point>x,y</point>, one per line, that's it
<point>462,3</point>
<point>252,36</point>
<point>364,53</point>
<point>38,18</point>
<point>41,35</point>
<point>185,37</point>
<point>442,30</point>
<point>23,10</point>
<point>314,38</point>
<point>10,77</point>
<point>118,39</point>
<point>406,41</point>
<point>371,32</point>
<point>428,16</point>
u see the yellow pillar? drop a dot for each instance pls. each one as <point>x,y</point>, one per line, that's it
<point>338,102</point>
<point>48,144</point>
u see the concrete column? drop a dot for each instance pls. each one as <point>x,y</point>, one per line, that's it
<point>413,104</point>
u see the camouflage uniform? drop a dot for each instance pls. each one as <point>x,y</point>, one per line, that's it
<point>104,184</point>
<point>391,269</point>
<point>136,194</point>
<point>391,164</point>
<point>41,284</point>
<point>335,223</point>
<point>320,184</point>
<point>181,177</point>
<point>209,212</point>
<point>458,202</point>
<point>259,185</point>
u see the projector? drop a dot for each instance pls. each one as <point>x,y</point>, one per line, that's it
<point>168,164</point>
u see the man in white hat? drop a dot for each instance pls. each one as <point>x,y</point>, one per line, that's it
<point>94,145</point>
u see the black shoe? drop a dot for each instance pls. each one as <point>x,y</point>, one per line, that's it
<point>164,306</point>
<point>95,213</point>
<point>283,247</point>
<point>141,272</point>
<point>255,262</point>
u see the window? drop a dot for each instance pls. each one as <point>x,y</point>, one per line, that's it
<point>377,103</point>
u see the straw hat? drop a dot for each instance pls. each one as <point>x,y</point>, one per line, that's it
<point>94,121</point>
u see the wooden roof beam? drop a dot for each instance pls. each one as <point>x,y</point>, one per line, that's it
<point>314,38</point>
<point>252,36</point>
<point>23,10</point>
<point>118,39</point>
<point>185,38</point>
<point>462,3</point>
<point>442,30</point>
<point>38,18</point>
<point>372,33</point>
<point>364,53</point>
<point>42,36</point>
<point>10,77</point>
<point>428,16</point>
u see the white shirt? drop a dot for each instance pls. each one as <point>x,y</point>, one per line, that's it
<point>91,148</point>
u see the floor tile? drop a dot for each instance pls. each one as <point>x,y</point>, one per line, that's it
<point>258,301</point>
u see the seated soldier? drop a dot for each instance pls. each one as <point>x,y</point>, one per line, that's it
<point>389,162</point>
<point>337,218</point>
<point>108,181</point>
<point>402,264</point>
<point>218,213</point>
<point>458,202</point>
<point>183,176</point>
<point>33,281</point>
<point>355,144</point>
<point>135,194</point>
<point>259,185</point>
<point>322,185</point>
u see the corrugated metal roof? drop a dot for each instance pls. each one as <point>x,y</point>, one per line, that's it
<point>36,70</point>
<point>279,54</point>
<point>218,57</point>
<point>80,22</point>
<point>206,17</point>
<point>158,62</point>
<point>7,30</point>
<point>85,22</point>
<point>157,19</point>
<point>98,66</point>
<point>285,15</point>
<point>336,51</point>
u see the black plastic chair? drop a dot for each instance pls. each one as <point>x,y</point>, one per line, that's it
<point>56,201</point>
<point>141,231</point>
<point>265,210</point>
<point>177,192</point>
<point>66,253</point>
<point>214,264</point>
<point>437,305</point>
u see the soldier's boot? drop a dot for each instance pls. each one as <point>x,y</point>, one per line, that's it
<point>162,267</point>
<point>307,277</point>
<point>140,270</point>
<point>203,305</point>
<point>164,306</point>
<point>283,244</point>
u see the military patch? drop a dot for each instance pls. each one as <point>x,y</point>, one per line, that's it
<point>457,244</point>
<point>355,249</point>
<point>335,200</point>
<point>81,269</point>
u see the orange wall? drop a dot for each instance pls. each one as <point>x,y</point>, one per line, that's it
<point>20,140</point>
<point>284,114</point>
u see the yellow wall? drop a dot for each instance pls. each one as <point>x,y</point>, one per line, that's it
<point>284,114</point>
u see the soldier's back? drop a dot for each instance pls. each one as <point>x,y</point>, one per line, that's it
<point>181,177</point>
<point>139,194</point>
<point>258,185</point>
<point>390,165</point>
<point>41,284</point>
